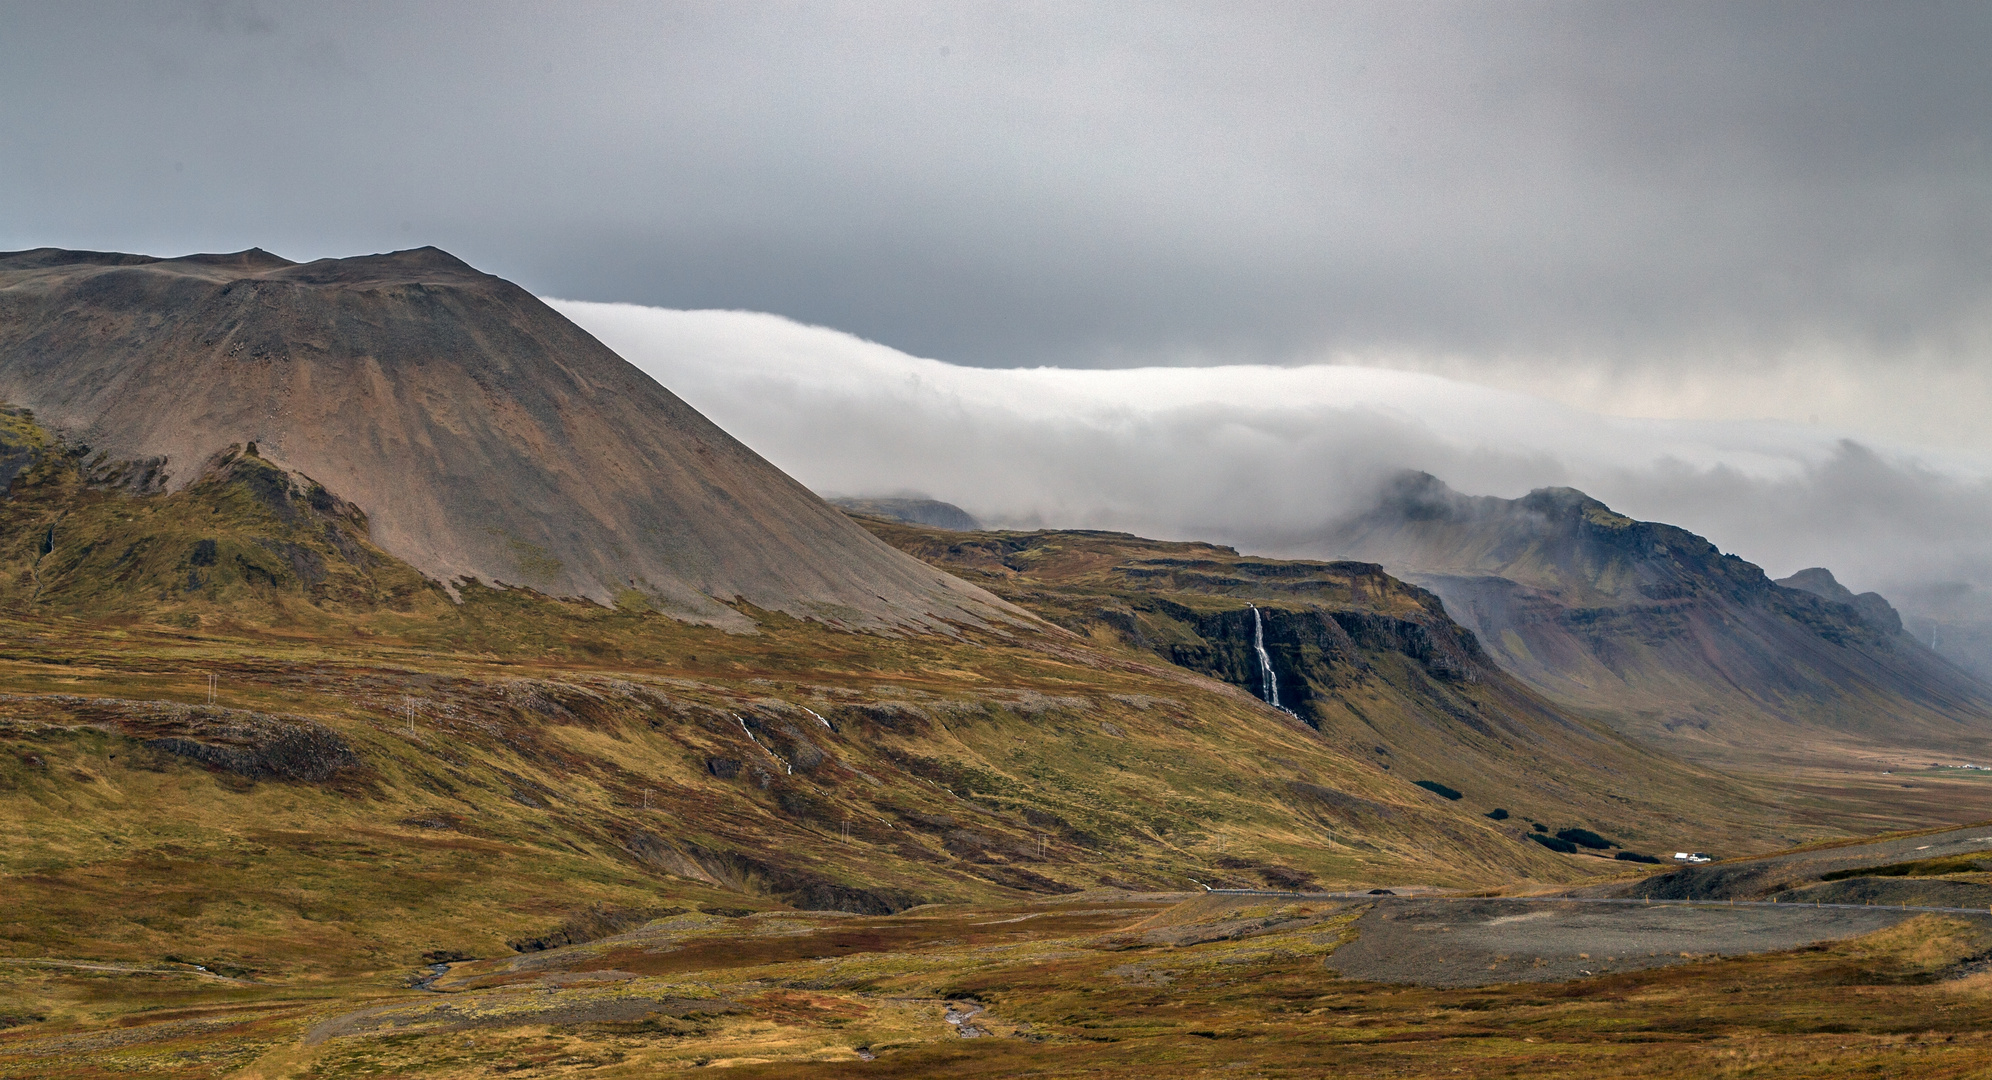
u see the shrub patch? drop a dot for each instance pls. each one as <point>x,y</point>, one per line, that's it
<point>1584,838</point>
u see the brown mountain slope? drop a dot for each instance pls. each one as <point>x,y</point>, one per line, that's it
<point>482,434</point>
<point>1652,627</point>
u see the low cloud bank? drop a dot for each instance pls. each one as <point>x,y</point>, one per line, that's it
<point>1265,458</point>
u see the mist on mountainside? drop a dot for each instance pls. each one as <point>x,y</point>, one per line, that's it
<point>1270,459</point>
<point>910,509</point>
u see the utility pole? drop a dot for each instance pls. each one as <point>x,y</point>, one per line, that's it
<point>646,798</point>
<point>213,681</point>
<point>408,703</point>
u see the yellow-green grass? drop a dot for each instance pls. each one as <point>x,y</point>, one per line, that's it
<point>571,768</point>
<point>1184,782</point>
<point>1098,985</point>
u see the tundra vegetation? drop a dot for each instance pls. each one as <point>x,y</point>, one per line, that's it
<point>277,805</point>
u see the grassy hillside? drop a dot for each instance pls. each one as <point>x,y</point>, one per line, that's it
<point>1379,670</point>
<point>257,775</point>
<point>379,772</point>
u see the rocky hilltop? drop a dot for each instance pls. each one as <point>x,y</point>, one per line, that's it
<point>482,435</point>
<point>1653,626</point>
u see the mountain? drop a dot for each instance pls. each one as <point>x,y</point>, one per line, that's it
<point>482,435</point>
<point>940,515</point>
<point>1954,618</point>
<point>1672,640</point>
<point>1372,665</point>
<point>1872,606</point>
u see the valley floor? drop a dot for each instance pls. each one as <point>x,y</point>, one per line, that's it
<point>1104,984</point>
<point>550,843</point>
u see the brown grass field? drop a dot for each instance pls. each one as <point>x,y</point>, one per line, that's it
<point>1094,985</point>
<point>261,824</point>
<point>313,907</point>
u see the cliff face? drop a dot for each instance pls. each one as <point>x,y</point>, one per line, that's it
<point>483,435</point>
<point>1653,626</point>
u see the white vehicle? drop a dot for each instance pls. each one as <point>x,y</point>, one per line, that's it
<point>1691,857</point>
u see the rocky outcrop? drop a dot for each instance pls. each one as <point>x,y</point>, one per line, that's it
<point>1315,652</point>
<point>254,745</point>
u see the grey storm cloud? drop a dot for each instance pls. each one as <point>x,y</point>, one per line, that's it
<point>1586,198</point>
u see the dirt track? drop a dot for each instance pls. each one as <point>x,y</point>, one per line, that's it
<point>1481,942</point>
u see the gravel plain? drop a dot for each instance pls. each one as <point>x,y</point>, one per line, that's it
<point>1481,942</point>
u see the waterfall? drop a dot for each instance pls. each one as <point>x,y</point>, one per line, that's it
<point>752,738</point>
<point>1272,682</point>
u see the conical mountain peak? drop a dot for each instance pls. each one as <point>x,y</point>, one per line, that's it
<point>484,435</point>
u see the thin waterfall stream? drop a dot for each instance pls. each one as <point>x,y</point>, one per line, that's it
<point>1270,680</point>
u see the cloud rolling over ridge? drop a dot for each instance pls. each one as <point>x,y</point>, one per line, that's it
<point>1265,458</point>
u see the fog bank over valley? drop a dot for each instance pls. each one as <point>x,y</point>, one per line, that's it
<point>1266,458</point>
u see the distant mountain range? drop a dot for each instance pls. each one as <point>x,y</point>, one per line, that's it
<point>1672,640</point>
<point>1954,618</point>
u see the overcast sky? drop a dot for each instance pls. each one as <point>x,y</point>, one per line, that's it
<point>1767,224</point>
<point>1723,209</point>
